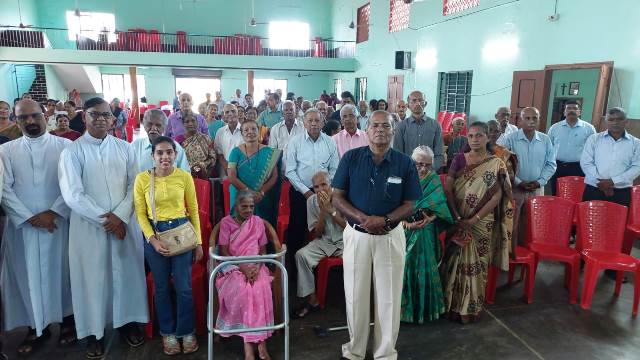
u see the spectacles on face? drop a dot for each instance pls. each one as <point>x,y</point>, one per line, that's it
<point>422,165</point>
<point>105,115</point>
<point>25,117</point>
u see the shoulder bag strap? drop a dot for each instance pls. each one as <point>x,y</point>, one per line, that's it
<point>152,195</point>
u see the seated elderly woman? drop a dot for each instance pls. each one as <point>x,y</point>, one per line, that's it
<point>422,296</point>
<point>244,291</point>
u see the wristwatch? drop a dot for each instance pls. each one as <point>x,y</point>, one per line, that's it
<point>387,221</point>
<point>334,213</point>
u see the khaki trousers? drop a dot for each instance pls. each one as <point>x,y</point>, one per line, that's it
<point>520,197</point>
<point>380,257</point>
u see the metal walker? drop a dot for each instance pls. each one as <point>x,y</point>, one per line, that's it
<point>235,260</point>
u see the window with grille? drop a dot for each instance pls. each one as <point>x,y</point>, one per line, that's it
<point>362,32</point>
<point>337,86</point>
<point>398,15</point>
<point>361,89</point>
<point>455,6</point>
<point>455,91</point>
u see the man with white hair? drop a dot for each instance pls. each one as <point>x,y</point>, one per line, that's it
<point>323,108</point>
<point>228,137</point>
<point>239,98</point>
<point>350,137</point>
<point>154,123</point>
<point>363,115</point>
<point>175,126</point>
<point>327,225</point>
<point>283,131</point>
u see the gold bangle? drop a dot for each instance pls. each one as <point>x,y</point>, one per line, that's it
<point>478,217</point>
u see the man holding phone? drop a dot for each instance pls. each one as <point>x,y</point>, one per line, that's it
<point>375,187</point>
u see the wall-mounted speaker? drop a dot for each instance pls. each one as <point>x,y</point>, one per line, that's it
<point>403,60</point>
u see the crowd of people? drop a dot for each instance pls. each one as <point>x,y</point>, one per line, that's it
<point>84,209</point>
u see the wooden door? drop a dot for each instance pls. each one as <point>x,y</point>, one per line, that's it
<point>530,89</point>
<point>395,91</point>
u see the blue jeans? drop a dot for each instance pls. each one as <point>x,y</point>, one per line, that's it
<point>162,268</point>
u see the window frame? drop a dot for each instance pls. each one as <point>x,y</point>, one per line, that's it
<point>362,27</point>
<point>96,19</point>
<point>283,41</point>
<point>460,82</point>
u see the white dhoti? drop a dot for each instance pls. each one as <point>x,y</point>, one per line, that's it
<point>385,255</point>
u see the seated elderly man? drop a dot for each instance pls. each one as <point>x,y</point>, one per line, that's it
<point>327,225</point>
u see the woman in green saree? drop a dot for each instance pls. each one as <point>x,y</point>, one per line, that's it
<point>422,296</point>
<point>253,166</point>
<point>479,194</point>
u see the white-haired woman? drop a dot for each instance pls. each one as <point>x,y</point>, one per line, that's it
<point>422,296</point>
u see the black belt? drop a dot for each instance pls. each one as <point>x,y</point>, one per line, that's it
<point>567,162</point>
<point>359,228</point>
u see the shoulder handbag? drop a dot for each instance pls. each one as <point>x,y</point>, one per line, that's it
<point>178,240</point>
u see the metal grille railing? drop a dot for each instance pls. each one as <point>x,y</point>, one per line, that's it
<point>140,40</point>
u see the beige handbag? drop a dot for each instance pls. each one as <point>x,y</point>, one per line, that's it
<point>178,240</point>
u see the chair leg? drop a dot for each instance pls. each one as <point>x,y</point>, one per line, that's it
<point>529,281</point>
<point>619,277</point>
<point>321,283</point>
<point>574,277</point>
<point>522,272</point>
<point>636,292</point>
<point>490,287</point>
<point>511,271</point>
<point>590,278</point>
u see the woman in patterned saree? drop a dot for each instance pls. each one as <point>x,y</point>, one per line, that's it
<point>422,298</point>
<point>252,166</point>
<point>198,148</point>
<point>479,194</point>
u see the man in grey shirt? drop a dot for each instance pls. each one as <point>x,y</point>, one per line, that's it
<point>327,224</point>
<point>419,129</point>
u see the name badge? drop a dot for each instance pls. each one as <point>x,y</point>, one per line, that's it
<point>394,180</point>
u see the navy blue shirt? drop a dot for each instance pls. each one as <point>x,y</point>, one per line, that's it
<point>377,190</point>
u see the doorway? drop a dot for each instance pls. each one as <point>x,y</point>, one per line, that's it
<point>198,87</point>
<point>395,91</point>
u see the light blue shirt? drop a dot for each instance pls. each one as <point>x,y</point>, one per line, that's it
<point>536,158</point>
<point>269,118</point>
<point>569,140</point>
<point>142,148</point>
<point>606,158</point>
<point>304,158</point>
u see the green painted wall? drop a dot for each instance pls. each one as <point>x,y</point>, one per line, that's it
<point>55,88</point>
<point>8,85</point>
<point>10,12</point>
<point>455,43</point>
<point>588,79</point>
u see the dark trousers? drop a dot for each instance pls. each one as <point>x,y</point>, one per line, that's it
<point>298,231</point>
<point>565,169</point>
<point>620,196</point>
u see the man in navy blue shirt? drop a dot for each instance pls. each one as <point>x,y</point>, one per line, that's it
<point>375,187</point>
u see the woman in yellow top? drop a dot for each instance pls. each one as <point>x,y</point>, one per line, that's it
<point>173,189</point>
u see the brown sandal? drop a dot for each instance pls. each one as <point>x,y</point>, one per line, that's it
<point>170,345</point>
<point>189,344</point>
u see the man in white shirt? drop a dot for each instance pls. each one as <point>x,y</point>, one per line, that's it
<point>36,291</point>
<point>283,131</point>
<point>568,137</point>
<point>363,115</point>
<point>503,115</point>
<point>228,137</point>
<point>106,259</point>
<point>154,123</point>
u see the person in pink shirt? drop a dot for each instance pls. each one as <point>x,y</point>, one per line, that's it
<point>350,137</point>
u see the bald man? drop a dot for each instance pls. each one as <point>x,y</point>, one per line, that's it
<point>536,164</point>
<point>175,126</point>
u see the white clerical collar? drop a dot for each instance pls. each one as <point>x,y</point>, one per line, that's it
<point>36,140</point>
<point>94,140</point>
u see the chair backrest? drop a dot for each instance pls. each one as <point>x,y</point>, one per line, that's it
<point>549,220</point>
<point>634,208</point>
<point>601,226</point>
<point>203,193</point>
<point>570,188</point>
<point>284,198</point>
<point>225,191</point>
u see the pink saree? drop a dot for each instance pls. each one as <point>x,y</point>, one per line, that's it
<point>242,304</point>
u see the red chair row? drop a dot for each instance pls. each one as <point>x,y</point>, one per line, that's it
<point>445,118</point>
<point>601,232</point>
<point>199,279</point>
<point>239,44</point>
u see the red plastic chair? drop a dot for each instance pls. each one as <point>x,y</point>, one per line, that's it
<point>283,211</point>
<point>633,222</point>
<point>601,227</point>
<point>524,257</point>
<point>203,193</point>
<point>323,268</point>
<point>548,232</point>
<point>225,192</point>
<point>570,188</point>
<point>181,41</point>
<point>155,44</point>
<point>163,103</point>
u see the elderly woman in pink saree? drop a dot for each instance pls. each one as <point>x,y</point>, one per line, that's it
<point>245,290</point>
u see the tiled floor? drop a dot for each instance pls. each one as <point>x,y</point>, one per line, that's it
<point>549,328</point>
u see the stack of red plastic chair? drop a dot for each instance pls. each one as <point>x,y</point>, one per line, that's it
<point>319,47</point>
<point>633,223</point>
<point>155,44</point>
<point>199,279</point>
<point>571,188</point>
<point>181,42</point>
<point>444,118</point>
<point>601,227</point>
<point>548,232</point>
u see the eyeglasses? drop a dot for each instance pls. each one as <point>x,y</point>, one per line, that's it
<point>423,165</point>
<point>105,115</point>
<point>25,117</point>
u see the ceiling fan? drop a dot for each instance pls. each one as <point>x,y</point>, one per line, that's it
<point>303,75</point>
<point>253,21</point>
<point>22,25</point>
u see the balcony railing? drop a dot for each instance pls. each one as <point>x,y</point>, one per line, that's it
<point>140,40</point>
